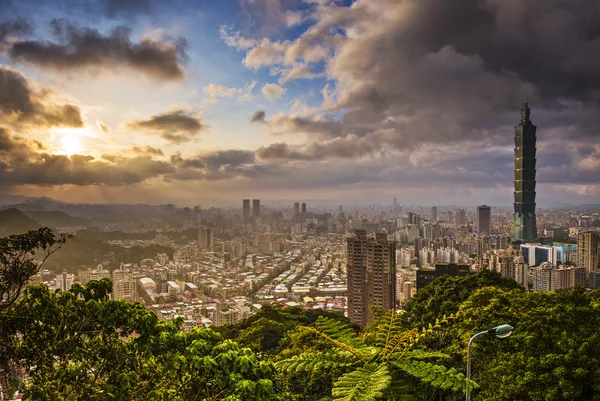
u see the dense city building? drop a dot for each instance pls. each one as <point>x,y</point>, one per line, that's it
<point>425,276</point>
<point>371,270</point>
<point>484,220</point>
<point>524,220</point>
<point>587,251</point>
<point>124,283</point>
<point>205,238</point>
<point>246,210</point>
<point>256,208</point>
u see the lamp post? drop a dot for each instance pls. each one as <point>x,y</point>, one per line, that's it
<point>501,332</point>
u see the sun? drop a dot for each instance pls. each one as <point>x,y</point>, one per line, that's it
<point>71,141</point>
<point>71,144</point>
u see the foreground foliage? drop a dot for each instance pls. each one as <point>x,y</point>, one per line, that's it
<point>17,263</point>
<point>376,366</point>
<point>80,345</point>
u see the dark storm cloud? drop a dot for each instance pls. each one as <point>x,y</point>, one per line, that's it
<point>194,163</point>
<point>6,141</point>
<point>217,165</point>
<point>19,100</point>
<point>176,126</point>
<point>320,127</point>
<point>79,48</point>
<point>232,157</point>
<point>349,147</point>
<point>13,29</point>
<point>147,150</point>
<point>258,117</point>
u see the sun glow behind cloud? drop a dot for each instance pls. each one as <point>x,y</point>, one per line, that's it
<point>70,141</point>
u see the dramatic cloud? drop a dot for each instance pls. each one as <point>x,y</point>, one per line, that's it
<point>217,165</point>
<point>28,162</point>
<point>11,30</point>
<point>272,91</point>
<point>349,147</point>
<point>409,77</point>
<point>85,48</point>
<point>258,117</point>
<point>21,103</point>
<point>176,126</point>
<point>147,150</point>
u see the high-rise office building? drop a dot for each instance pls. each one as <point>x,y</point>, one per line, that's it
<point>303,216</point>
<point>256,208</point>
<point>524,221</point>
<point>205,238</point>
<point>587,251</point>
<point>461,217</point>
<point>371,267</point>
<point>484,219</point>
<point>297,218</point>
<point>434,213</point>
<point>246,210</point>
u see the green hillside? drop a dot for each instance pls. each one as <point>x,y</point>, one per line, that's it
<point>14,221</point>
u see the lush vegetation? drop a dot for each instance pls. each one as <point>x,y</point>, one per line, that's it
<point>80,345</point>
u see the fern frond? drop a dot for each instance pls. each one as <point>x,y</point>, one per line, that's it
<point>363,384</point>
<point>435,375</point>
<point>310,361</point>
<point>339,331</point>
<point>389,325</point>
<point>344,343</point>
<point>420,354</point>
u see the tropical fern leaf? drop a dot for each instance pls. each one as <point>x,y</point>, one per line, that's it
<point>368,383</point>
<point>436,375</point>
<point>345,343</point>
<point>420,355</point>
<point>310,361</point>
<point>340,331</point>
<point>388,326</point>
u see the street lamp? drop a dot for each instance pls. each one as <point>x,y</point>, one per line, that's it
<point>502,331</point>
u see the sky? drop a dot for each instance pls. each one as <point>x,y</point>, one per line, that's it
<point>204,102</point>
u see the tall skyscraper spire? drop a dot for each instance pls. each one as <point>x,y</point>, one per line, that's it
<point>525,110</point>
<point>524,221</point>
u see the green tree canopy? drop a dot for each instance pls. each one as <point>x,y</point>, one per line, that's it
<point>445,295</point>
<point>17,263</point>
<point>80,345</point>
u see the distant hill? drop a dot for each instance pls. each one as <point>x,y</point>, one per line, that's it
<point>14,221</point>
<point>55,218</point>
<point>25,207</point>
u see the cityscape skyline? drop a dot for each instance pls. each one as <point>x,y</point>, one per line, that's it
<point>278,109</point>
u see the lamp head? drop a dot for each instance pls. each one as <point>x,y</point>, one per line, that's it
<point>502,331</point>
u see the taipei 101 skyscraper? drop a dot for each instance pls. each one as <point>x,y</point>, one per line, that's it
<point>524,224</point>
